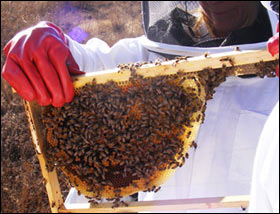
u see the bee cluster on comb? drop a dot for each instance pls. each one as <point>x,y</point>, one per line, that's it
<point>115,140</point>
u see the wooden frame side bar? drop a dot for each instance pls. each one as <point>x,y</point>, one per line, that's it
<point>50,178</point>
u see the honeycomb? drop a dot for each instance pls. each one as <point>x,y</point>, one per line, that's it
<point>119,138</point>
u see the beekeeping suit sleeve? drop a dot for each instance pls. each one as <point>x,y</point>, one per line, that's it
<point>265,181</point>
<point>96,55</point>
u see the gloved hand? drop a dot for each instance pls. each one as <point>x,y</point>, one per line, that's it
<point>273,46</point>
<point>39,64</point>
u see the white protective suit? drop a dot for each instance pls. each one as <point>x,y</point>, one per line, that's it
<point>222,164</point>
<point>265,181</point>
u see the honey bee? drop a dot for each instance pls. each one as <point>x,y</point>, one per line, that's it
<point>194,144</point>
<point>229,59</point>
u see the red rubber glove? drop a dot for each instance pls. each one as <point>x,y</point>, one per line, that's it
<point>273,46</point>
<point>38,65</point>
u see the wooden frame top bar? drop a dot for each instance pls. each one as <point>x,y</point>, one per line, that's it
<point>192,64</point>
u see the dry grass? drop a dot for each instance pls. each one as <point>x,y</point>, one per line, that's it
<point>21,180</point>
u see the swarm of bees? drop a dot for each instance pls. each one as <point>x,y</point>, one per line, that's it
<point>113,141</point>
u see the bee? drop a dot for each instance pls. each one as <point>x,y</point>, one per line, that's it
<point>198,118</point>
<point>157,189</point>
<point>115,205</point>
<point>157,63</point>
<point>229,59</point>
<point>93,202</point>
<point>183,161</point>
<point>243,208</point>
<point>182,80</point>
<point>189,134</point>
<point>225,59</point>
<point>194,144</point>
<point>89,189</point>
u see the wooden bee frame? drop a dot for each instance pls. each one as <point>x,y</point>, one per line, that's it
<point>231,59</point>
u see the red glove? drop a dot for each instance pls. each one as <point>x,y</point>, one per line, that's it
<point>273,46</point>
<point>38,65</point>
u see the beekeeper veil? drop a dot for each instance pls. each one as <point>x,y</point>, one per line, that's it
<point>271,6</point>
<point>177,28</point>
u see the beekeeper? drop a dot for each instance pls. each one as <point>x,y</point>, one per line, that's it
<point>41,59</point>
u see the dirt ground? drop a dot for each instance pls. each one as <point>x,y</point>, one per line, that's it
<point>22,188</point>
